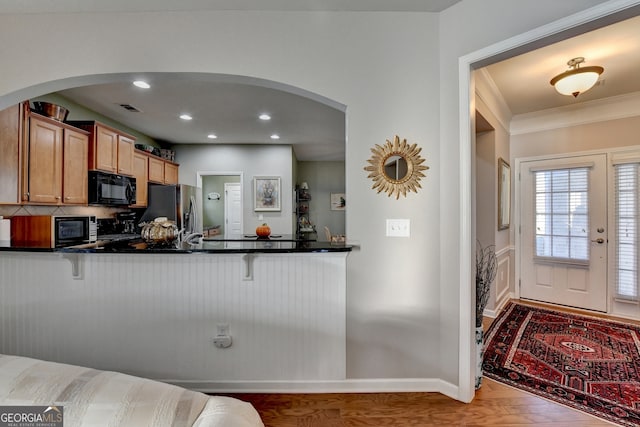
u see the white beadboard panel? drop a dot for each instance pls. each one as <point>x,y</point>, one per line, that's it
<point>155,315</point>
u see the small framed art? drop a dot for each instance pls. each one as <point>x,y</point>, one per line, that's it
<point>267,194</point>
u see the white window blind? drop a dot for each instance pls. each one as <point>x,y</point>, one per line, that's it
<point>627,218</point>
<point>562,215</point>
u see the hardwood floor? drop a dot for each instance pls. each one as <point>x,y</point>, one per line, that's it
<point>495,404</point>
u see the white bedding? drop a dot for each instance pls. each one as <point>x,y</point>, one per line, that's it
<point>102,398</point>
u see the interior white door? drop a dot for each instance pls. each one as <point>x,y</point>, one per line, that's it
<point>563,220</point>
<point>232,209</point>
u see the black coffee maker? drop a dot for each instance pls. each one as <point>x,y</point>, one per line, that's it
<point>126,222</point>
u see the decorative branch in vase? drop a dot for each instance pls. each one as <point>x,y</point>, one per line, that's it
<point>486,269</point>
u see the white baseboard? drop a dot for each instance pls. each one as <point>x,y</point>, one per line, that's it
<point>380,385</point>
<point>494,313</point>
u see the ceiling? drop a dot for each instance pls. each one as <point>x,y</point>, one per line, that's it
<point>225,106</point>
<point>523,80</point>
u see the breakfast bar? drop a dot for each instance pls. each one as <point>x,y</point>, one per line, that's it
<point>165,312</point>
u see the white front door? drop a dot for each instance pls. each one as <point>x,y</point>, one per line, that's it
<point>232,209</point>
<point>563,220</point>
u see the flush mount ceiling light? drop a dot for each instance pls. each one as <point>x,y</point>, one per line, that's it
<point>141,84</point>
<point>264,116</point>
<point>576,80</point>
<point>185,117</point>
<point>212,136</point>
<point>275,136</point>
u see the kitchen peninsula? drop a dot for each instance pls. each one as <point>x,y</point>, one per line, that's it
<point>214,315</point>
<point>156,311</point>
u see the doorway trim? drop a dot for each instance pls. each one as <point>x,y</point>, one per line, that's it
<point>578,23</point>
<point>200,174</point>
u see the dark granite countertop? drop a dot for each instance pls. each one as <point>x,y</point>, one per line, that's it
<point>210,245</point>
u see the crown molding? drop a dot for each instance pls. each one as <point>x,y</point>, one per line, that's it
<point>487,90</point>
<point>599,110</point>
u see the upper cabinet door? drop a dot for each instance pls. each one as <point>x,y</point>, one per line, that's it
<point>156,170</point>
<point>141,174</point>
<point>75,179</point>
<point>125,155</point>
<point>45,161</point>
<point>106,150</point>
<point>170,173</point>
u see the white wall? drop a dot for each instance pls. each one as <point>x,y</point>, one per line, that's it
<point>381,65</point>
<point>496,145</point>
<point>585,137</point>
<point>251,160</point>
<point>396,72</point>
<point>486,182</point>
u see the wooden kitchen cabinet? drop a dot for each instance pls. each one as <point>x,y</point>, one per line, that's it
<point>170,173</point>
<point>162,171</point>
<point>44,174</point>
<point>12,127</point>
<point>110,150</point>
<point>75,176</point>
<point>104,153</point>
<point>125,155</point>
<point>42,161</point>
<point>141,174</point>
<point>56,163</point>
<point>156,170</point>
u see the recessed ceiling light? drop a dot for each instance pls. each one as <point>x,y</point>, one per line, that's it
<point>212,136</point>
<point>275,136</point>
<point>264,116</point>
<point>141,84</point>
<point>185,117</point>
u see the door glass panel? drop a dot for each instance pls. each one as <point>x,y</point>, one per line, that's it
<point>627,219</point>
<point>562,217</point>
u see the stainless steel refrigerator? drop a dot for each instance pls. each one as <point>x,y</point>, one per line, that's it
<point>179,203</point>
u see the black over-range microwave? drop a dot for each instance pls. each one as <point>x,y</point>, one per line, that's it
<point>111,189</point>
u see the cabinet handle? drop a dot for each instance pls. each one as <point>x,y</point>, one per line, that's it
<point>58,197</point>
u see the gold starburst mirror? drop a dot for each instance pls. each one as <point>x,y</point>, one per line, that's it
<point>396,167</point>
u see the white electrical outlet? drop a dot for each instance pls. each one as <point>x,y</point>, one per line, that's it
<point>222,338</point>
<point>222,341</point>
<point>222,329</point>
<point>398,228</point>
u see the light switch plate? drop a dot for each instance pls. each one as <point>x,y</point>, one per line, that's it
<point>398,228</point>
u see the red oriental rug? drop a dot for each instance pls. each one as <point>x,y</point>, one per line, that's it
<point>583,362</point>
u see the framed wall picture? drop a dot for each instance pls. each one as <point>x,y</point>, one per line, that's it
<point>338,202</point>
<point>266,193</point>
<point>504,194</point>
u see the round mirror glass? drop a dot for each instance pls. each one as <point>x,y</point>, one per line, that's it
<point>395,167</point>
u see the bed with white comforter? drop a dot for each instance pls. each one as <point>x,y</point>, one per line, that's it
<point>91,397</point>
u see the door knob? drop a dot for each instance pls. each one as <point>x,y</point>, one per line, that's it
<point>599,240</point>
<point>600,230</point>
